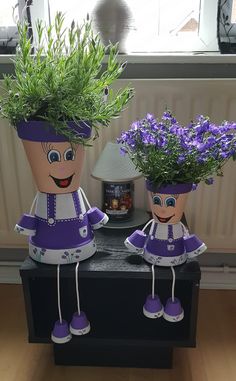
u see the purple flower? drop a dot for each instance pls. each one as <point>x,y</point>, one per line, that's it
<point>123,151</point>
<point>168,148</point>
<point>150,117</point>
<point>180,159</point>
<point>209,181</point>
<point>134,126</point>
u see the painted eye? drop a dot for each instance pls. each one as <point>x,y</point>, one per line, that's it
<point>157,200</point>
<point>170,201</point>
<point>54,155</point>
<point>69,154</point>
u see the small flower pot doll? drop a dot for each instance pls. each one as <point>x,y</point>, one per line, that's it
<point>167,243</point>
<point>61,229</point>
<point>172,158</point>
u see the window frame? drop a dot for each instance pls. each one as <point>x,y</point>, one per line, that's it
<point>205,41</point>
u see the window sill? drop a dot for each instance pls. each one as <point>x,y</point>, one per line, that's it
<point>165,65</point>
<point>180,58</point>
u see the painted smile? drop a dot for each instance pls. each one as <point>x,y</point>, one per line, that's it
<point>162,219</point>
<point>62,183</point>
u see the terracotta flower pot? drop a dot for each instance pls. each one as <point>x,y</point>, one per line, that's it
<point>167,203</point>
<point>56,164</point>
<point>61,230</point>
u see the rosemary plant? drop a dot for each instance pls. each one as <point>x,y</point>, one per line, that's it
<point>64,79</point>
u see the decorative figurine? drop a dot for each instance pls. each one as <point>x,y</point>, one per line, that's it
<point>167,244</point>
<point>173,159</point>
<point>58,100</point>
<point>61,229</point>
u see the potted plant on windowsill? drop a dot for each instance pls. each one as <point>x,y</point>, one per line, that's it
<point>173,160</point>
<point>57,100</point>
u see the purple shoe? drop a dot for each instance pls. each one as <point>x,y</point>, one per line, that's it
<point>79,324</point>
<point>153,308</point>
<point>61,333</point>
<point>173,311</point>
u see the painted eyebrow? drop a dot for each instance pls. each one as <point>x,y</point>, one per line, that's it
<point>47,147</point>
<point>176,196</point>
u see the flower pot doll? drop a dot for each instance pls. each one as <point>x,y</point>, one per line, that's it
<point>61,229</point>
<point>58,100</point>
<point>173,159</point>
<point>167,243</point>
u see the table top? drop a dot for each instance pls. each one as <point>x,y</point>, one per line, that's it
<point>112,259</point>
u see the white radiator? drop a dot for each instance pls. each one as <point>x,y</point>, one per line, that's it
<point>211,210</point>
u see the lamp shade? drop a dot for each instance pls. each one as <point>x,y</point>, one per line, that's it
<point>111,166</point>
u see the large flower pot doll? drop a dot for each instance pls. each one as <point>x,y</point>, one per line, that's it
<point>61,228</point>
<point>173,159</point>
<point>58,100</point>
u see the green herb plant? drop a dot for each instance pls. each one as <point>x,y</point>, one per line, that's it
<point>64,79</point>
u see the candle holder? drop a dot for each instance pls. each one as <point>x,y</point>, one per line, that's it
<point>117,174</point>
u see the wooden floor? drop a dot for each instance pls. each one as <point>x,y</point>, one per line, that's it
<point>214,359</point>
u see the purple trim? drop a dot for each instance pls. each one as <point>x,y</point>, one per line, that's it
<point>169,188</point>
<point>75,197</point>
<point>170,232</point>
<point>51,205</point>
<point>40,131</point>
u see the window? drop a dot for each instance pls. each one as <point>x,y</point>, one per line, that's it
<point>150,26</point>
<point>8,29</point>
<point>141,27</point>
<point>227,20</point>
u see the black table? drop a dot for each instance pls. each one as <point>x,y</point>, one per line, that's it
<point>113,288</point>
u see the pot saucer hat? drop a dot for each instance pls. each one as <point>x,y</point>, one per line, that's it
<point>168,188</point>
<point>41,131</point>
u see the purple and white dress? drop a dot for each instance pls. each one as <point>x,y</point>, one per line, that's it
<point>166,244</point>
<point>61,230</point>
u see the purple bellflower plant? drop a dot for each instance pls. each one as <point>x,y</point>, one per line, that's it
<point>168,153</point>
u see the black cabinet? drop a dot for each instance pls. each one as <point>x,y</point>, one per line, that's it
<point>113,287</point>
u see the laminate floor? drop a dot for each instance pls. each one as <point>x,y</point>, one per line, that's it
<point>214,359</point>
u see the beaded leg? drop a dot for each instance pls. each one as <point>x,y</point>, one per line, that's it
<point>173,311</point>
<point>60,333</point>
<point>153,308</point>
<point>79,324</point>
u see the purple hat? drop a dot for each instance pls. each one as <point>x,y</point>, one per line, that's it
<point>40,131</point>
<point>169,188</point>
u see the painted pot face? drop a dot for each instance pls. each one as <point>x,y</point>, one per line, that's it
<point>167,208</point>
<point>56,166</point>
